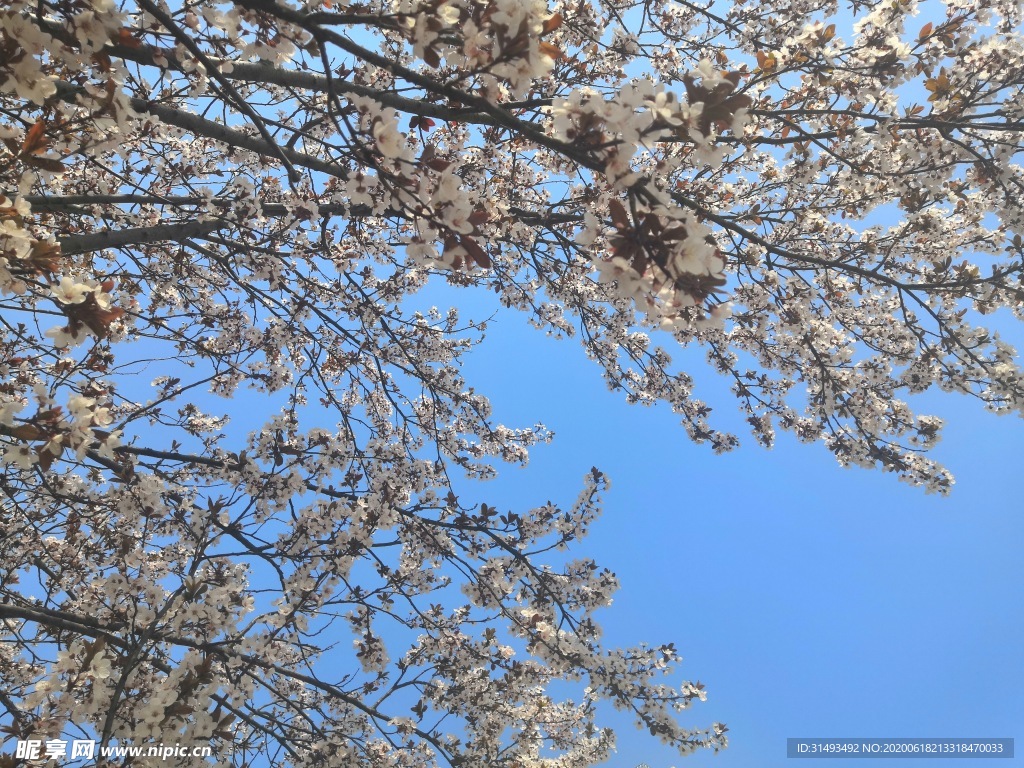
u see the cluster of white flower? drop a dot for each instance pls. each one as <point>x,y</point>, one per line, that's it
<point>69,292</point>
<point>15,243</point>
<point>501,40</point>
<point>81,431</point>
<point>24,76</point>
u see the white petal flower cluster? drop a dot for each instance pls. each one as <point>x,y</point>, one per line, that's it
<point>24,75</point>
<point>15,241</point>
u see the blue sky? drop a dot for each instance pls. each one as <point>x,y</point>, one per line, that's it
<point>812,601</point>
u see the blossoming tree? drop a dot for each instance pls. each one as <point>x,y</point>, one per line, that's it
<point>216,209</point>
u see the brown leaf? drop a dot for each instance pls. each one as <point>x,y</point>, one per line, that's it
<point>650,225</point>
<point>35,140</point>
<point>44,458</point>
<point>26,432</point>
<point>127,38</point>
<point>553,51</point>
<point>45,257</point>
<point>476,253</point>
<point>423,123</point>
<point>737,102</point>
<point>551,24</point>
<point>102,320</point>
<point>46,163</point>
<point>450,244</point>
<point>102,61</point>
<point>675,232</point>
<point>619,216</point>
<point>432,58</point>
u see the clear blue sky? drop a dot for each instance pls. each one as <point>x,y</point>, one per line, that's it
<point>811,600</point>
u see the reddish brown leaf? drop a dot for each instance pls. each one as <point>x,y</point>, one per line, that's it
<point>45,257</point>
<point>46,163</point>
<point>431,57</point>
<point>552,23</point>
<point>550,50</point>
<point>26,432</point>
<point>35,140</point>
<point>734,78</point>
<point>127,38</point>
<point>619,216</point>
<point>102,61</point>
<point>476,253</point>
<point>105,317</point>
<point>44,458</point>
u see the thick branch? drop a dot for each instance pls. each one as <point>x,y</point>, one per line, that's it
<point>98,241</point>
